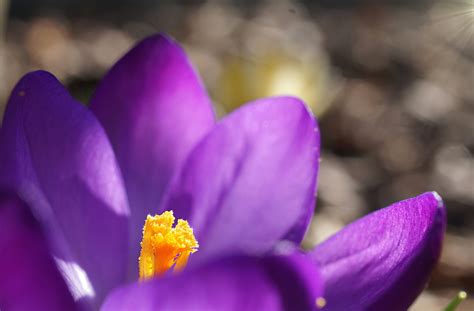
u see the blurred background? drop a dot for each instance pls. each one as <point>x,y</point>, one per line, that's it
<point>391,83</point>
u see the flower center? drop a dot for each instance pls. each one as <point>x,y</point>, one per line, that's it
<point>165,247</point>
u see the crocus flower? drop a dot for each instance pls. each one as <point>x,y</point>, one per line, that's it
<point>149,143</point>
<point>86,179</point>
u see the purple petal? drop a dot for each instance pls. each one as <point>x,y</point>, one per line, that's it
<point>56,155</point>
<point>251,182</point>
<point>383,261</point>
<point>233,284</point>
<point>29,277</point>
<point>154,109</point>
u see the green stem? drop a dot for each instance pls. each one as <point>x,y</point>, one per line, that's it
<point>456,301</point>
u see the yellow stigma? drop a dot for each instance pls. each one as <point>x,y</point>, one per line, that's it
<point>164,246</point>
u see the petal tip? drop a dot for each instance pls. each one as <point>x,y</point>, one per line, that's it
<point>304,106</point>
<point>36,75</point>
<point>161,40</point>
<point>32,80</point>
<point>166,37</point>
<point>438,199</point>
<point>31,85</point>
<point>297,101</point>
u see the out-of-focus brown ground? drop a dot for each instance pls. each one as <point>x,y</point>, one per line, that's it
<point>392,86</point>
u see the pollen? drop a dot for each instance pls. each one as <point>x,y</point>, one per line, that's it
<point>165,247</point>
<point>320,302</point>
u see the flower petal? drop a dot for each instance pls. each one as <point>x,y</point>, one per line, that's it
<point>233,284</point>
<point>251,182</point>
<point>29,277</point>
<point>55,154</point>
<point>383,261</point>
<point>154,109</point>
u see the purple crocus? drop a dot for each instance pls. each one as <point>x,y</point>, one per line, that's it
<point>79,183</point>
